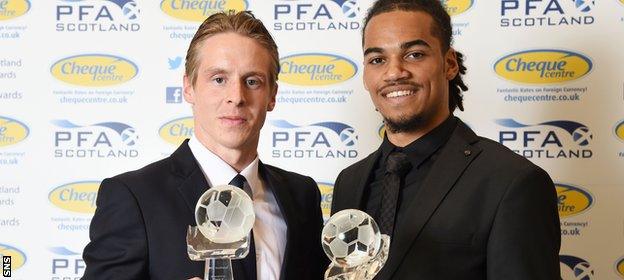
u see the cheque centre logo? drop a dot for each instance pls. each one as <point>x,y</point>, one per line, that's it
<point>316,69</point>
<point>327,192</point>
<point>572,200</point>
<point>552,139</point>
<point>318,140</point>
<point>381,131</point>
<point>78,197</point>
<point>199,10</point>
<point>10,9</point>
<point>457,7</point>
<point>12,131</point>
<point>575,268</point>
<point>543,66</point>
<point>18,258</point>
<point>175,131</point>
<point>100,140</point>
<point>94,70</point>
<point>619,266</point>
<point>619,130</point>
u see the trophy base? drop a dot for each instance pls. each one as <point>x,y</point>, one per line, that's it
<point>200,248</point>
<point>365,271</point>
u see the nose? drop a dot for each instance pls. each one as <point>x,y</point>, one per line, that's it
<point>236,93</point>
<point>395,71</point>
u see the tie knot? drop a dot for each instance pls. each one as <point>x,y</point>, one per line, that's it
<point>238,181</point>
<point>398,163</point>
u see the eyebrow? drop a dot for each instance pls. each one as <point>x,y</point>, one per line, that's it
<point>217,70</point>
<point>404,46</point>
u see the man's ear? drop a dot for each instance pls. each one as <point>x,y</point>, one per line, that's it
<point>272,101</point>
<point>189,94</point>
<point>450,64</point>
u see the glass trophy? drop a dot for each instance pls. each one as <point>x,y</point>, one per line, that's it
<point>224,217</point>
<point>352,241</point>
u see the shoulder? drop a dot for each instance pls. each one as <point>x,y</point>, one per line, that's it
<point>356,169</point>
<point>291,179</point>
<point>498,157</point>
<point>149,177</point>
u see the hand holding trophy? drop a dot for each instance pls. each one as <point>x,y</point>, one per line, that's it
<point>352,241</point>
<point>224,217</point>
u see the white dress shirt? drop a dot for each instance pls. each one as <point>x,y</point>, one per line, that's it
<point>269,228</point>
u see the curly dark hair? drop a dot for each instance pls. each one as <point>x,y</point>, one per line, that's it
<point>442,30</point>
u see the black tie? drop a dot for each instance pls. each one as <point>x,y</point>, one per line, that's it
<point>249,262</point>
<point>397,167</point>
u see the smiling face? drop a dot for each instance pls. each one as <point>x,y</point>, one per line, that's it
<point>232,93</point>
<point>406,71</point>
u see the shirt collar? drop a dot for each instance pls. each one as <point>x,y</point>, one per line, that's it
<point>422,148</point>
<point>218,172</point>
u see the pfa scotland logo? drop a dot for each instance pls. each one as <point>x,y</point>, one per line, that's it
<point>319,15</point>
<point>552,139</point>
<point>102,140</point>
<point>547,13</point>
<point>97,16</point>
<point>66,264</point>
<point>318,140</point>
<point>575,268</point>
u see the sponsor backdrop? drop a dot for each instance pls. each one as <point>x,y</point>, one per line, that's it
<point>92,88</point>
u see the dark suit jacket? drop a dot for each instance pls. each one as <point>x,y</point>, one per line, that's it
<point>482,212</point>
<point>139,227</point>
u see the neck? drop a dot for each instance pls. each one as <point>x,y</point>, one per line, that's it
<point>238,159</point>
<point>404,138</point>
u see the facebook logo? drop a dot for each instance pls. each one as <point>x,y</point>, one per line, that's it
<point>174,95</point>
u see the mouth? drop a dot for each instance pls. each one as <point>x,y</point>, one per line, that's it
<point>233,120</point>
<point>399,93</point>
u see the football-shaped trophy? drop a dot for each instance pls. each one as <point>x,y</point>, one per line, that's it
<point>352,241</point>
<point>224,217</point>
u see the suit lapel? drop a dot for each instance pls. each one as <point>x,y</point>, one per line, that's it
<point>185,167</point>
<point>193,185</point>
<point>284,197</point>
<point>352,198</point>
<point>454,157</point>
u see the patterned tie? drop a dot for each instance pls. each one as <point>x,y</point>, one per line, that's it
<point>397,167</point>
<point>249,262</point>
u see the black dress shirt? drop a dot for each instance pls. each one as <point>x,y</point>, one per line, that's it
<point>422,152</point>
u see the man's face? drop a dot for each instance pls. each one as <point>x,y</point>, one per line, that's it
<point>232,93</point>
<point>406,71</point>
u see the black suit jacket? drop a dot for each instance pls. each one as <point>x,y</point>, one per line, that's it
<point>139,227</point>
<point>482,212</point>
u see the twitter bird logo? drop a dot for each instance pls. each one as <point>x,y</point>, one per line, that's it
<point>175,62</point>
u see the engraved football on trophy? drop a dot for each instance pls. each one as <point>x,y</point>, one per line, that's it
<point>352,241</point>
<point>224,216</point>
